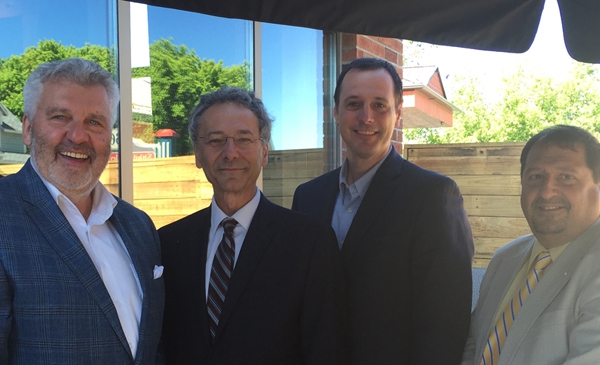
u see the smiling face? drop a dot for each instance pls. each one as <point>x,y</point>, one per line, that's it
<point>559,196</point>
<point>367,114</point>
<point>70,136</point>
<point>231,169</point>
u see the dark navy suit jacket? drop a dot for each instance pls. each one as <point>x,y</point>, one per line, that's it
<point>54,307</point>
<point>407,262</point>
<point>285,302</point>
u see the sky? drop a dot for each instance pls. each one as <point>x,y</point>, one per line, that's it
<point>230,40</point>
<point>547,55</point>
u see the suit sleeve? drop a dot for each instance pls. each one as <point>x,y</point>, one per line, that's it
<point>325,315</point>
<point>584,342</point>
<point>5,314</point>
<point>442,252</point>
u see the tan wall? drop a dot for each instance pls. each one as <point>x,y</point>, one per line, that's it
<point>171,188</point>
<point>487,174</point>
<point>165,188</point>
<point>488,177</point>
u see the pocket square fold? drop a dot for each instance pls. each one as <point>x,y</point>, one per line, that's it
<point>158,271</point>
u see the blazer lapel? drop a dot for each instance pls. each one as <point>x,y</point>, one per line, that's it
<point>506,270</point>
<point>385,181</point>
<point>51,222</point>
<point>143,266</point>
<point>330,193</point>
<point>197,247</point>
<point>257,240</point>
<point>558,275</point>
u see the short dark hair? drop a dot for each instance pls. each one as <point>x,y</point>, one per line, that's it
<point>568,137</point>
<point>370,64</point>
<point>230,94</point>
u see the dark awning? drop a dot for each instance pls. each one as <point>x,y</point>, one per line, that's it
<point>499,25</point>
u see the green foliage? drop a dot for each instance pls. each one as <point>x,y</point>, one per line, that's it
<point>14,70</point>
<point>527,105</point>
<point>178,78</point>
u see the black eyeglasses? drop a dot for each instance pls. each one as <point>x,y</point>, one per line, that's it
<point>220,142</point>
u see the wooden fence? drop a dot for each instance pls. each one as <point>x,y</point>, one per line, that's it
<point>489,178</point>
<point>487,174</point>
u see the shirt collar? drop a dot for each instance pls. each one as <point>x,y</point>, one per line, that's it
<point>363,183</point>
<point>243,216</point>
<point>554,252</point>
<point>103,202</point>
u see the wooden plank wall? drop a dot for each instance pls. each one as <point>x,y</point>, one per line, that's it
<point>488,177</point>
<point>171,188</point>
<point>288,169</point>
<point>167,189</point>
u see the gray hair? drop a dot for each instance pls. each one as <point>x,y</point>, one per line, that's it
<point>76,70</point>
<point>229,94</point>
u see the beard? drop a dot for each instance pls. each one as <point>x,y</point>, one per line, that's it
<point>549,222</point>
<point>67,179</point>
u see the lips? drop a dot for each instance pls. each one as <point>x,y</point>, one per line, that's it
<point>366,133</point>
<point>551,205</point>
<point>79,156</point>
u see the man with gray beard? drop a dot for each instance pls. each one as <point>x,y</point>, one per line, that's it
<point>80,274</point>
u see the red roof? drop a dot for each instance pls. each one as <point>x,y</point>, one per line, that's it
<point>166,133</point>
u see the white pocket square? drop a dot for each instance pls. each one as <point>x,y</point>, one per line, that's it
<point>158,270</point>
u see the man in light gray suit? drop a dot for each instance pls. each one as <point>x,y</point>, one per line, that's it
<point>540,297</point>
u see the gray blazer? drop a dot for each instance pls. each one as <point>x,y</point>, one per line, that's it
<point>54,307</point>
<point>560,321</point>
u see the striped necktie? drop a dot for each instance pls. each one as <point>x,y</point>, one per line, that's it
<point>220,274</point>
<point>493,348</point>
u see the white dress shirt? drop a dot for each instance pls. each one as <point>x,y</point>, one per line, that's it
<point>243,217</point>
<point>109,255</point>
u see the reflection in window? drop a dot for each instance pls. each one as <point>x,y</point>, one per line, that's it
<point>293,85</point>
<point>177,57</point>
<point>34,32</point>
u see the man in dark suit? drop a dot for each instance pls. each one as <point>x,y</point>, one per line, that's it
<point>248,282</point>
<point>79,268</point>
<point>405,240</point>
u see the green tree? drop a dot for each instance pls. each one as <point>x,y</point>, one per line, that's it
<point>177,74</point>
<point>178,78</point>
<point>15,69</point>
<point>527,105</point>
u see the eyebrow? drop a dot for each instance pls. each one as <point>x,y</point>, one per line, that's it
<point>94,116</point>
<point>243,131</point>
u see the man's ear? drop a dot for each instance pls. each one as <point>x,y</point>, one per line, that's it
<point>399,114</point>
<point>26,131</point>
<point>336,114</point>
<point>197,156</point>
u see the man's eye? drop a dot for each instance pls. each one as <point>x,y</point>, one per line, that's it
<point>59,117</point>
<point>243,141</point>
<point>216,141</point>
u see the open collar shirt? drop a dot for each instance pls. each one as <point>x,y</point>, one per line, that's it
<point>107,251</point>
<point>349,199</point>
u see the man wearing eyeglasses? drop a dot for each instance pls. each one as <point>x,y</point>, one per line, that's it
<point>249,282</point>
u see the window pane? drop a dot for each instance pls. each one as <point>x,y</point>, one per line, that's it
<point>177,56</point>
<point>298,66</point>
<point>33,32</point>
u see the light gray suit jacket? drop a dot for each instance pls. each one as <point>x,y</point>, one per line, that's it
<point>560,321</point>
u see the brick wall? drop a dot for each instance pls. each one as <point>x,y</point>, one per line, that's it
<point>357,46</point>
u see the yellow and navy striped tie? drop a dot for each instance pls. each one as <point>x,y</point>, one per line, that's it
<point>491,353</point>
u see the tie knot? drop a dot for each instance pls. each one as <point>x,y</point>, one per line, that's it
<point>542,260</point>
<point>229,224</point>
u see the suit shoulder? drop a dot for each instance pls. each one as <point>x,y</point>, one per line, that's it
<point>183,224</point>
<point>319,181</point>
<point>511,246</point>
<point>297,219</point>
